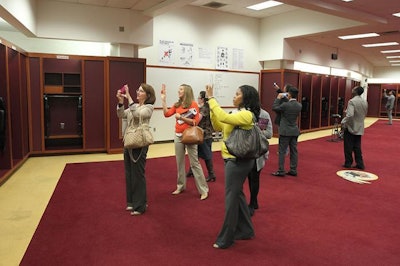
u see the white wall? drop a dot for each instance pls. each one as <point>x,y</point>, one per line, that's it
<point>21,14</point>
<point>392,74</point>
<point>275,29</point>
<point>69,21</point>
<point>205,29</point>
<point>299,49</point>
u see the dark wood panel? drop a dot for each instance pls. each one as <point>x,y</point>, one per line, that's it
<point>325,95</point>
<point>316,101</point>
<point>306,94</point>
<point>36,111</point>
<point>122,71</point>
<point>374,96</point>
<point>94,105</point>
<point>15,103</point>
<point>24,105</point>
<point>54,65</point>
<point>5,154</point>
<point>334,94</point>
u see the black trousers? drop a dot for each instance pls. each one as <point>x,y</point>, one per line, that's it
<point>254,186</point>
<point>352,144</point>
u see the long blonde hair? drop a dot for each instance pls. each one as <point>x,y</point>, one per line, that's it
<point>188,97</point>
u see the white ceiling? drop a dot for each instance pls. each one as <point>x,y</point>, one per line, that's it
<point>375,15</point>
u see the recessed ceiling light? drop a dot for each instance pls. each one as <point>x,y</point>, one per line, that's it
<point>265,5</point>
<point>359,36</point>
<point>396,14</point>
<point>380,44</point>
<point>347,0</point>
<point>390,51</point>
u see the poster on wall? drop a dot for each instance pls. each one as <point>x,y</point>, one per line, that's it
<point>186,54</point>
<point>237,58</point>
<point>206,55</point>
<point>166,51</point>
<point>222,58</point>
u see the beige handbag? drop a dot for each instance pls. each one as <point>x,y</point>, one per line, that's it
<point>137,137</point>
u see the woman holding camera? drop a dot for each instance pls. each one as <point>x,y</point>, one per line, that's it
<point>237,222</point>
<point>135,159</point>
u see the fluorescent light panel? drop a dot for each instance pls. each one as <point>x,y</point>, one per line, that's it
<point>394,61</point>
<point>393,56</point>
<point>264,5</point>
<point>359,36</point>
<point>390,51</point>
<point>347,1</point>
<point>380,44</point>
<point>396,14</point>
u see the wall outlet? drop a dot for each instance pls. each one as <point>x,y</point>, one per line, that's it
<point>62,125</point>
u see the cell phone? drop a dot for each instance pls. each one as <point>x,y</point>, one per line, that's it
<point>123,89</point>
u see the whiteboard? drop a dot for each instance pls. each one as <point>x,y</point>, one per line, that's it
<point>225,82</point>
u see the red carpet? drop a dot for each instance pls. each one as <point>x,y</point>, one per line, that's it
<point>316,218</point>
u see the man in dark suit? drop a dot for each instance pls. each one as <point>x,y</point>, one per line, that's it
<point>353,125</point>
<point>288,129</point>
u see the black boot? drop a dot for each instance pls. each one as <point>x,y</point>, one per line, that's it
<point>210,170</point>
<point>189,173</point>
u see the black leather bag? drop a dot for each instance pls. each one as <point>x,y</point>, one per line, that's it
<point>247,143</point>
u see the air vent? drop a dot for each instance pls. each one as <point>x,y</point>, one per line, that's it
<point>214,5</point>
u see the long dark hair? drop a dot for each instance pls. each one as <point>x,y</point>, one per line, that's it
<point>202,95</point>
<point>251,100</point>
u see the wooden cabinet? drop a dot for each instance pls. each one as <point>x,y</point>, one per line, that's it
<point>73,101</point>
<point>14,121</point>
<point>62,104</point>
<point>322,96</point>
<point>58,83</point>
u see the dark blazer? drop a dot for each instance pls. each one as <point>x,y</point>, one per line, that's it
<point>289,113</point>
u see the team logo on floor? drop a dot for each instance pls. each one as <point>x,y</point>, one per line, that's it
<point>355,176</point>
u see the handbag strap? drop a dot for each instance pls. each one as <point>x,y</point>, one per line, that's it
<point>131,155</point>
<point>140,118</point>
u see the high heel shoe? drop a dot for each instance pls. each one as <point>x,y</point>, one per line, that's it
<point>204,196</point>
<point>176,192</point>
<point>210,179</point>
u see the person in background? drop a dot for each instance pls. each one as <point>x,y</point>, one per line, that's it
<point>135,159</point>
<point>288,130</point>
<point>186,112</point>
<point>265,124</point>
<point>204,149</point>
<point>353,126</point>
<point>389,104</point>
<point>237,222</point>
<point>283,99</point>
